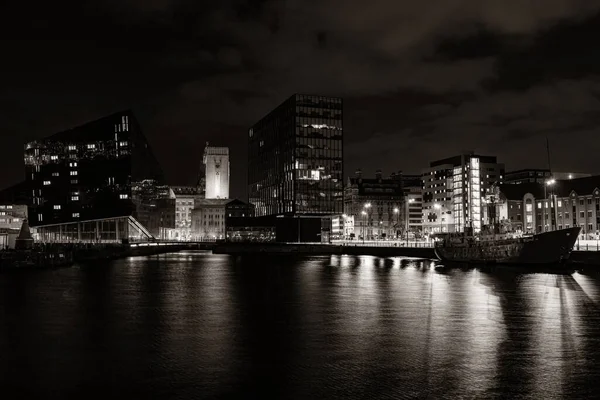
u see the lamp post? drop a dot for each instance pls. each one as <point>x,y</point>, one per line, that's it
<point>366,212</point>
<point>406,217</point>
<point>549,182</point>
<point>396,212</point>
<point>363,213</point>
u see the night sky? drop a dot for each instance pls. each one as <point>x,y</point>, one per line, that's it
<point>421,80</point>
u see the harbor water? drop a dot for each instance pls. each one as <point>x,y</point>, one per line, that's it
<point>196,325</point>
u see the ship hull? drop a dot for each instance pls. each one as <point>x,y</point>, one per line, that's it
<point>541,249</point>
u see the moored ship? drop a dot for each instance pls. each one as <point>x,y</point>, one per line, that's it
<point>543,248</point>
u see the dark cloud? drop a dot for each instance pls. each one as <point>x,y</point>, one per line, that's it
<point>421,80</point>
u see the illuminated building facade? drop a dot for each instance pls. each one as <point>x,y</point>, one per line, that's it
<point>536,207</point>
<point>295,161</point>
<point>210,217</point>
<point>376,205</point>
<point>216,163</point>
<point>452,191</point>
<point>413,196</point>
<point>11,219</point>
<point>97,182</point>
<point>185,200</point>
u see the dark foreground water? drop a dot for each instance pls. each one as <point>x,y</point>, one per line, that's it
<point>197,325</point>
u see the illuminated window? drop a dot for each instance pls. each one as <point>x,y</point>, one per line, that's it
<point>123,196</point>
<point>73,173</point>
<point>74,198</point>
<point>539,204</point>
<point>57,206</point>
<point>72,164</point>
<point>75,215</point>
<point>72,148</point>
<point>46,183</point>
<point>91,146</point>
<point>55,174</point>
<point>123,144</point>
<point>560,203</point>
<point>54,157</point>
<point>40,217</point>
<point>74,181</point>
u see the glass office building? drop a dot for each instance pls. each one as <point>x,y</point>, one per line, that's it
<point>102,172</point>
<point>295,158</point>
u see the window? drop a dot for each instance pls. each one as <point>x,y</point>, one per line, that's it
<point>582,214</point>
<point>581,202</point>
<point>73,173</point>
<point>590,214</point>
<point>589,202</point>
<point>57,206</point>
<point>566,215</point>
<point>123,196</point>
<point>40,217</point>
<point>54,157</point>
<point>590,227</point>
<point>75,215</point>
<point>91,146</point>
<point>72,148</point>
<point>560,203</point>
<point>74,181</point>
<point>73,164</point>
<point>74,198</point>
<point>46,183</point>
<point>55,174</point>
<point>528,207</point>
<point>540,204</point>
<point>122,144</point>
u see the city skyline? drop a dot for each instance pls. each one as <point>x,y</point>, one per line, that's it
<point>469,77</point>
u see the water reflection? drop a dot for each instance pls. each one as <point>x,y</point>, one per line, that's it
<point>198,325</point>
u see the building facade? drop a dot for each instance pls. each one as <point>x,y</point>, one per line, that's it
<point>185,200</point>
<point>535,207</point>
<point>216,163</point>
<point>376,205</point>
<point>210,217</point>
<point>97,182</point>
<point>295,158</point>
<point>452,191</point>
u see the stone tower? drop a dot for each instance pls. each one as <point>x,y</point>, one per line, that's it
<point>216,163</point>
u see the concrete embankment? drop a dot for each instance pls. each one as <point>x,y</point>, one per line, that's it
<point>322,249</point>
<point>97,253</point>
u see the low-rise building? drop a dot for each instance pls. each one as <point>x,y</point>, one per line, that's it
<point>376,205</point>
<point>533,175</point>
<point>11,219</point>
<point>209,217</point>
<point>535,207</point>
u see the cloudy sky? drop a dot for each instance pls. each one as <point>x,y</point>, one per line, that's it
<point>421,80</point>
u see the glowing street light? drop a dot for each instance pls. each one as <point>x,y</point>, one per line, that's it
<point>550,182</point>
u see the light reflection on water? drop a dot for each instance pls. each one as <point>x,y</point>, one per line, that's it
<point>198,325</point>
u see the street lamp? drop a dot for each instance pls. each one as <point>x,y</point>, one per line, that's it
<point>406,218</point>
<point>549,182</point>
<point>367,207</point>
<point>363,212</point>
<point>397,211</point>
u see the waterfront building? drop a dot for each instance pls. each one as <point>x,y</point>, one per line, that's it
<point>11,219</point>
<point>557,204</point>
<point>376,205</point>
<point>216,163</point>
<point>295,163</point>
<point>539,176</point>
<point>342,227</point>
<point>210,217</point>
<point>452,191</point>
<point>98,182</point>
<point>185,200</point>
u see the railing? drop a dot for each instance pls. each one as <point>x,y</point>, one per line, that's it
<point>587,245</point>
<point>383,243</point>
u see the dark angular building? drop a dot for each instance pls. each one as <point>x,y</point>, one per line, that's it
<point>295,159</point>
<point>97,182</point>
